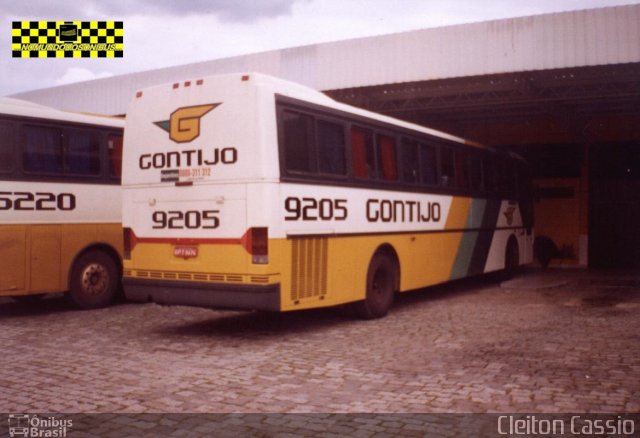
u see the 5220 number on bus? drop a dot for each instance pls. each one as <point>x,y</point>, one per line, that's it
<point>39,201</point>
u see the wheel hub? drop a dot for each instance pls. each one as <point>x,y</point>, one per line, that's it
<point>95,279</point>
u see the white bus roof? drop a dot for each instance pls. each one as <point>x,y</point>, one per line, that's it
<point>23,108</point>
<point>302,92</point>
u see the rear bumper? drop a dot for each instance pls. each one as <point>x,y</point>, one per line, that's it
<point>213,295</point>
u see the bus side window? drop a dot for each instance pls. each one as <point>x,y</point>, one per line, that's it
<point>525,195</point>
<point>446,167</point>
<point>42,150</point>
<point>387,163</point>
<point>476,177</point>
<point>298,142</point>
<point>331,148</point>
<point>490,174</point>
<point>6,148</point>
<point>428,165</point>
<point>462,168</point>
<point>362,152</point>
<point>82,154</point>
<point>114,149</point>
<point>410,161</point>
<point>513,179</point>
<point>505,178</point>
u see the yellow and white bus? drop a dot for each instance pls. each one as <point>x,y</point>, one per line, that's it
<point>244,191</point>
<point>60,204</point>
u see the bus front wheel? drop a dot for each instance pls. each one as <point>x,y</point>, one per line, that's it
<point>381,286</point>
<point>94,280</point>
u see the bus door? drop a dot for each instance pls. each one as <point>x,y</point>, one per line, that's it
<point>45,258</point>
<point>13,253</point>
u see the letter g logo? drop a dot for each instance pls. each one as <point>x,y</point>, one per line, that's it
<point>184,124</point>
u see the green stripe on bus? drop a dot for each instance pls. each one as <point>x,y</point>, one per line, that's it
<point>467,246</point>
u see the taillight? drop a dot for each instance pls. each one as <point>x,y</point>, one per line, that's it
<point>256,242</point>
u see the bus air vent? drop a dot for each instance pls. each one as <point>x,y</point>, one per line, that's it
<point>308,268</point>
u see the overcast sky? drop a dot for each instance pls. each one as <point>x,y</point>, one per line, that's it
<point>162,33</point>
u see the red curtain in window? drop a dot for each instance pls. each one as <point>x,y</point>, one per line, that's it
<point>388,155</point>
<point>359,153</point>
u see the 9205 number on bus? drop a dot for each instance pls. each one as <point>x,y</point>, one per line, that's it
<point>192,219</point>
<point>311,209</point>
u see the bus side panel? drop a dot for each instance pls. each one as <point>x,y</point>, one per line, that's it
<point>13,253</point>
<point>314,276</point>
<point>314,279</point>
<point>509,223</point>
<point>427,259</point>
<point>45,258</point>
<point>497,252</point>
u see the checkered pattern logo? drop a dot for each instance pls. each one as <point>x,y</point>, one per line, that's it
<point>67,39</point>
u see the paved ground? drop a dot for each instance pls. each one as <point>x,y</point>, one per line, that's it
<point>558,341</point>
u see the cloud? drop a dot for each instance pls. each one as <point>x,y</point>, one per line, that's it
<point>77,74</point>
<point>234,10</point>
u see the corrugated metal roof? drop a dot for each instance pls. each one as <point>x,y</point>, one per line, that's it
<point>551,41</point>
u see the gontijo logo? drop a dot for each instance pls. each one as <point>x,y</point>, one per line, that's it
<point>186,165</point>
<point>184,124</point>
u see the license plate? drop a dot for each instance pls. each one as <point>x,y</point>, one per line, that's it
<point>185,252</point>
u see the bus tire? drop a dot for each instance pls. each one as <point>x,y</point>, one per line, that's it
<point>511,258</point>
<point>94,280</point>
<point>381,287</point>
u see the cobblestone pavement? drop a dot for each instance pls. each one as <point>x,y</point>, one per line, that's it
<point>546,342</point>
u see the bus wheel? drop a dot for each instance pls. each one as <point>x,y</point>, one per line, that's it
<point>381,285</point>
<point>94,280</point>
<point>511,258</point>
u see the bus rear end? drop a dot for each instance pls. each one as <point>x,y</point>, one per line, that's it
<point>194,160</point>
